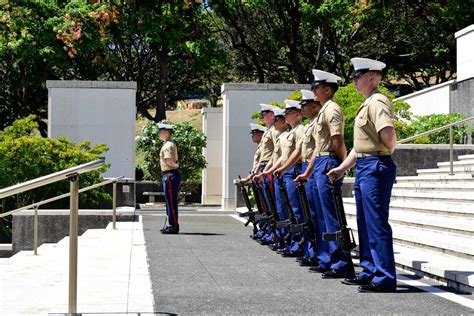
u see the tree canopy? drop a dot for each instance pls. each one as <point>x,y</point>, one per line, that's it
<point>178,49</point>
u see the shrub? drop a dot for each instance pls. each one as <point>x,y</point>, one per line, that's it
<point>24,155</point>
<point>425,123</point>
<point>190,143</point>
<point>350,100</point>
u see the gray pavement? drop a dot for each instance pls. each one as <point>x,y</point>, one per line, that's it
<point>212,267</point>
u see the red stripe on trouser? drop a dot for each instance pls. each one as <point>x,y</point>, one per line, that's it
<point>170,191</point>
<point>272,189</point>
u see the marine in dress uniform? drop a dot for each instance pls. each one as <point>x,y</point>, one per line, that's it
<point>374,142</point>
<point>293,139</point>
<point>171,178</point>
<point>282,129</point>
<point>310,108</point>
<point>329,152</point>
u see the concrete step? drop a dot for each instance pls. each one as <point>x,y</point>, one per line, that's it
<point>417,218</point>
<point>439,178</point>
<point>440,171</point>
<point>459,210</point>
<point>427,239</point>
<point>463,157</point>
<point>458,186</point>
<point>465,162</point>
<point>452,271</point>
<point>434,194</point>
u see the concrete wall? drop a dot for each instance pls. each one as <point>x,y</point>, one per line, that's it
<point>239,102</point>
<point>454,96</point>
<point>433,100</point>
<point>212,175</point>
<point>465,53</point>
<point>462,100</point>
<point>410,157</point>
<point>99,111</point>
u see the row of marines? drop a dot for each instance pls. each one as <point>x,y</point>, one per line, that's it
<point>290,154</point>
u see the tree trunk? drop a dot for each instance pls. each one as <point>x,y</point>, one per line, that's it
<point>161,90</point>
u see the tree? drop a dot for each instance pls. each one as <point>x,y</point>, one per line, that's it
<point>28,56</point>
<point>162,45</point>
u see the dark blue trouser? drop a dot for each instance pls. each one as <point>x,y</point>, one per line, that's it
<point>373,187</point>
<point>289,177</point>
<point>325,202</point>
<point>171,182</point>
<point>322,249</point>
<point>280,207</point>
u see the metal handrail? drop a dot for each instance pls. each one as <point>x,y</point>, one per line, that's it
<point>451,139</point>
<point>438,129</point>
<point>54,177</point>
<point>73,175</point>
<point>59,197</point>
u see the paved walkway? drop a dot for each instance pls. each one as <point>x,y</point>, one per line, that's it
<point>212,268</point>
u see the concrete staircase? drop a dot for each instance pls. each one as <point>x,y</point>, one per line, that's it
<point>113,275</point>
<point>432,218</point>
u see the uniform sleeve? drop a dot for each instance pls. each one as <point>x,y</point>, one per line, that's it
<point>335,121</point>
<point>299,135</point>
<point>168,151</point>
<point>381,113</point>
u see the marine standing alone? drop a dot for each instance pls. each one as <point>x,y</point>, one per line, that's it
<point>171,178</point>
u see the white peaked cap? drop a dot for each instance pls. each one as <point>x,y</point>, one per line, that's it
<point>165,126</point>
<point>278,111</point>
<point>321,76</point>
<point>256,127</point>
<point>292,104</point>
<point>363,65</point>
<point>306,95</point>
<point>266,107</point>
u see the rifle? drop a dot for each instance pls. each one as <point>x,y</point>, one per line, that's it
<point>344,235</point>
<point>263,216</point>
<point>251,214</point>
<point>291,221</point>
<point>308,226</point>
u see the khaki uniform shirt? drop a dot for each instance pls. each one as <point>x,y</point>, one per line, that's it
<point>277,148</point>
<point>330,122</point>
<point>308,143</point>
<point>256,158</point>
<point>374,114</point>
<point>266,144</point>
<point>289,143</point>
<point>169,150</point>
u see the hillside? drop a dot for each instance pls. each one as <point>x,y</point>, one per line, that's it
<point>191,116</point>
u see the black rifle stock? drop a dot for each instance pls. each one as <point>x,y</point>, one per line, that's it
<point>308,225</point>
<point>344,235</point>
<point>289,210</point>
<point>250,212</point>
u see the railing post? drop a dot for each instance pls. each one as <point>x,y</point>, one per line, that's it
<point>35,232</point>
<point>73,228</point>
<point>114,204</point>
<point>451,150</point>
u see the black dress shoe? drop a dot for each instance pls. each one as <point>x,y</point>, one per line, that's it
<point>355,281</point>
<point>300,258</point>
<point>292,254</point>
<point>318,269</point>
<point>170,231</point>
<point>376,288</point>
<point>265,242</point>
<point>309,262</point>
<point>334,274</point>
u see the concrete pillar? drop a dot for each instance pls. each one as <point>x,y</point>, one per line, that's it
<point>240,100</point>
<point>212,175</point>
<point>102,112</point>
<point>465,53</point>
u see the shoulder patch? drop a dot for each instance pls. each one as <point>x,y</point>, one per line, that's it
<point>384,112</point>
